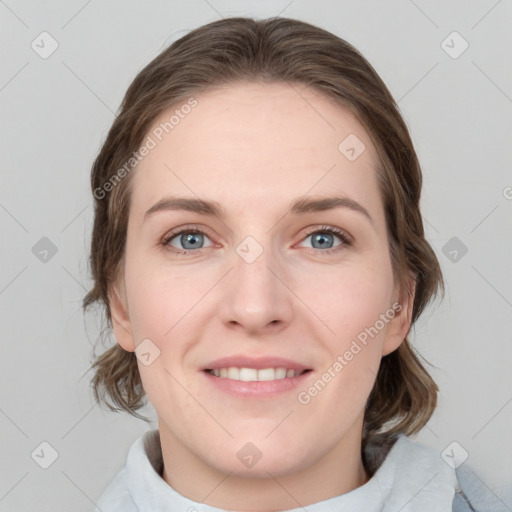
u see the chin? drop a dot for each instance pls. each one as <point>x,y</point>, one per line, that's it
<point>256,459</point>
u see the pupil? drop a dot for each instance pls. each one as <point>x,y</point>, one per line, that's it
<point>321,238</point>
<point>192,239</point>
<point>195,239</point>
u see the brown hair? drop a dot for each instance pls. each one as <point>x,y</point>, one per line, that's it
<point>272,50</point>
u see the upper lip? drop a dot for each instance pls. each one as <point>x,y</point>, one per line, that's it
<point>257,363</point>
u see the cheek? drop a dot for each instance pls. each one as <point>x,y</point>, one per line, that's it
<point>160,300</point>
<point>350,304</point>
<point>348,299</point>
<point>162,310</point>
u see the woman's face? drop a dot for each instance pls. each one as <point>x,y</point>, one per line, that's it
<point>285,272</point>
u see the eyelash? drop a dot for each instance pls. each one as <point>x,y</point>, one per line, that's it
<point>346,239</point>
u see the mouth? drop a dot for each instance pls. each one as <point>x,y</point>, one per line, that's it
<point>255,375</point>
<point>247,377</point>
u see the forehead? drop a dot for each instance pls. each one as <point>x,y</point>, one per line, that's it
<point>244,143</point>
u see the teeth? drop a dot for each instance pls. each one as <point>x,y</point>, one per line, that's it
<point>233,373</point>
<point>248,374</point>
<point>267,374</point>
<point>253,375</point>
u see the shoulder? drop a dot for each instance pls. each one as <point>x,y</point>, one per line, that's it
<point>415,464</point>
<point>139,485</point>
<point>116,496</point>
<point>135,479</point>
<point>473,495</point>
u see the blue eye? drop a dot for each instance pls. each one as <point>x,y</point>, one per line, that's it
<point>191,239</point>
<point>322,239</point>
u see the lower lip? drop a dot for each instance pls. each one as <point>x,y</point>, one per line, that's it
<point>256,389</point>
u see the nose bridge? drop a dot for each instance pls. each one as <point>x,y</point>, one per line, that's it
<point>255,297</point>
<point>252,263</point>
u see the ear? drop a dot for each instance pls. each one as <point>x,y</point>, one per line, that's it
<point>120,317</point>
<point>399,325</point>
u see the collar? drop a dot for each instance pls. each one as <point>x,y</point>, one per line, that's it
<point>411,478</point>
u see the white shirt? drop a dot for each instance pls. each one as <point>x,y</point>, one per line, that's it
<point>412,478</point>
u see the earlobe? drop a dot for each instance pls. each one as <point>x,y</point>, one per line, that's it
<point>120,319</point>
<point>399,326</point>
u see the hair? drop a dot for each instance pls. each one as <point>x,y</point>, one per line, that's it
<point>274,50</point>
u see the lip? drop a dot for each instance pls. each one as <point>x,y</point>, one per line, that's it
<point>256,389</point>
<point>258,363</point>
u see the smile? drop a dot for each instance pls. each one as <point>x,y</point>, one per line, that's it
<point>253,374</point>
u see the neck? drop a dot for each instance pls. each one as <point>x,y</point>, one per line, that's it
<point>337,472</point>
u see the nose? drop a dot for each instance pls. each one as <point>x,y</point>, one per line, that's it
<point>255,296</point>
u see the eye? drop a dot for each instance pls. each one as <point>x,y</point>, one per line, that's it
<point>192,238</point>
<point>189,239</point>
<point>323,239</point>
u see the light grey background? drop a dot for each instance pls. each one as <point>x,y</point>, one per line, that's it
<point>55,115</point>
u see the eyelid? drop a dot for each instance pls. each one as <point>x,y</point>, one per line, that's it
<point>342,233</point>
<point>346,239</point>
<point>180,230</point>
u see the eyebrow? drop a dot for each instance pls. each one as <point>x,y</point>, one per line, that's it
<point>299,206</point>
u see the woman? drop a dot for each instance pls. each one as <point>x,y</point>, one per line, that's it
<point>259,250</point>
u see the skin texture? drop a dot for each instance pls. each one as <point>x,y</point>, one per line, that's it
<point>254,148</point>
